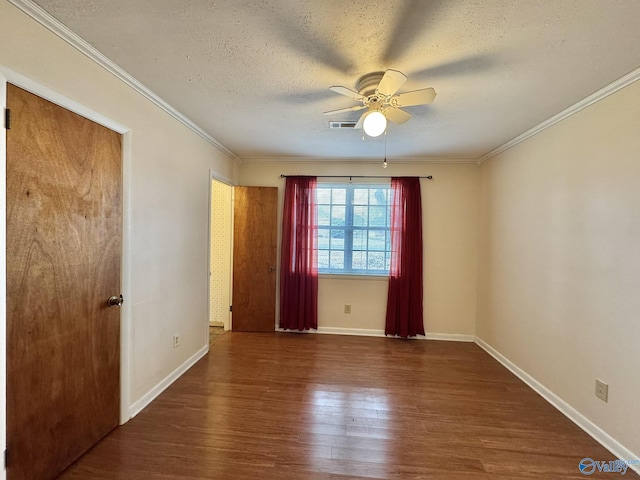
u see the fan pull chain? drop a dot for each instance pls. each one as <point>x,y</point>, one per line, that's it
<point>384,163</point>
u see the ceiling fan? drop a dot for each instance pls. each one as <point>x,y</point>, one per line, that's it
<point>378,93</point>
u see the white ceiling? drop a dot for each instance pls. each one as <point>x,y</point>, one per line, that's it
<point>255,74</point>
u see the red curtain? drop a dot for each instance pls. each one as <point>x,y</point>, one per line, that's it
<point>299,262</point>
<point>404,300</point>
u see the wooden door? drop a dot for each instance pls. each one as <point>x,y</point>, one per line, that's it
<point>63,263</point>
<point>254,259</point>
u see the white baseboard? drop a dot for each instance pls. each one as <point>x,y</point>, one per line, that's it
<point>151,395</point>
<point>449,337</point>
<point>359,332</point>
<point>364,332</point>
<point>595,432</point>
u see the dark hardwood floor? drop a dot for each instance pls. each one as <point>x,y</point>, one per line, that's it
<point>294,407</point>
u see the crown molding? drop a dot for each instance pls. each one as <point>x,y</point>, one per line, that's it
<point>45,19</point>
<point>604,92</point>
<point>361,161</point>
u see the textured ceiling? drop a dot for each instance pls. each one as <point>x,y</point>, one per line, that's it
<point>255,74</point>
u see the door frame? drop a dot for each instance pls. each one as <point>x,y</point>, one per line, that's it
<point>9,76</point>
<point>227,181</point>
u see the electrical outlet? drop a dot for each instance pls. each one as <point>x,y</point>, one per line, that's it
<point>602,390</point>
<point>347,309</point>
<point>176,341</point>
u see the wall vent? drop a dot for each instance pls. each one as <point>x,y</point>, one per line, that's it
<point>342,124</point>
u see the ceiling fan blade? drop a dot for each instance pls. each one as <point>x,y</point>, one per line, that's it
<point>320,48</point>
<point>415,19</point>
<point>396,115</point>
<point>391,82</point>
<point>467,65</point>
<point>360,121</point>
<point>355,108</point>
<point>347,92</point>
<point>417,97</point>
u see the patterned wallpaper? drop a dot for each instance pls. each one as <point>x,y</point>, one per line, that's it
<point>221,222</point>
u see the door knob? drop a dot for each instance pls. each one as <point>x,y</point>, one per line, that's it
<point>271,268</point>
<point>115,301</point>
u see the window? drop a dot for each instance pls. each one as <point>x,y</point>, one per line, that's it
<point>353,229</point>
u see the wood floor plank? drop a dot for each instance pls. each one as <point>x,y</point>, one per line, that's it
<point>312,407</point>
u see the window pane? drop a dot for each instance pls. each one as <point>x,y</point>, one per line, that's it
<point>324,214</point>
<point>359,240</point>
<point>323,238</point>
<point>359,261</point>
<point>323,195</point>
<point>337,239</point>
<point>360,196</point>
<point>339,196</point>
<point>378,196</point>
<point>323,259</point>
<point>337,260</point>
<point>360,215</point>
<point>377,216</point>
<point>377,240</point>
<point>376,261</point>
<point>337,216</point>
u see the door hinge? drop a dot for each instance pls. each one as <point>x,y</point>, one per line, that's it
<point>231,308</point>
<point>7,118</point>
<point>6,458</point>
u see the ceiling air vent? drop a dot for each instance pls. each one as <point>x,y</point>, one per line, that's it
<point>342,124</point>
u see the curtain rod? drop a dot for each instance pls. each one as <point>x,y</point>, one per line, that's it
<point>429,177</point>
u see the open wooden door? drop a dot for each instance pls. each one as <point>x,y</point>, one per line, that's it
<point>63,264</point>
<point>254,259</point>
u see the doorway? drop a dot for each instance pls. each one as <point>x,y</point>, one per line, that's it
<point>242,258</point>
<point>220,256</point>
<point>8,76</point>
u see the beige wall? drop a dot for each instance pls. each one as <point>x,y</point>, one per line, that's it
<point>220,267</point>
<point>450,243</point>
<point>167,181</point>
<point>559,269</point>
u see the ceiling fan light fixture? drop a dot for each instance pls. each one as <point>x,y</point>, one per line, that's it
<point>375,123</point>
